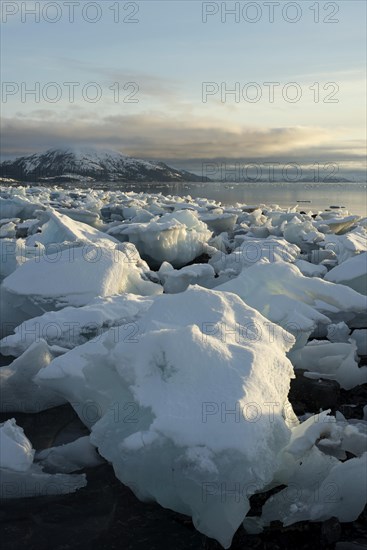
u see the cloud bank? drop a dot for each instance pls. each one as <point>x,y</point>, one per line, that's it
<point>176,140</point>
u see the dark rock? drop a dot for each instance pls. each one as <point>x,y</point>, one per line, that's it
<point>21,232</point>
<point>353,401</point>
<point>202,259</point>
<point>309,395</point>
<point>6,360</point>
<point>331,530</point>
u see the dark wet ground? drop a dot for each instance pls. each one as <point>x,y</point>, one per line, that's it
<point>106,515</point>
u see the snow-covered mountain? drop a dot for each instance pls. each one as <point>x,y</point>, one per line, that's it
<point>68,164</point>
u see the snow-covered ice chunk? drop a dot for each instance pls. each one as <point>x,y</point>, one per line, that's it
<point>353,437</point>
<point>177,280</point>
<point>299,304</point>
<point>323,255</point>
<point>330,360</point>
<point>8,230</point>
<point>311,270</point>
<point>74,277</point>
<point>219,222</point>
<point>302,233</point>
<point>19,207</point>
<point>70,457</point>
<point>348,245</point>
<point>20,477</point>
<point>82,215</point>
<point>16,451</point>
<point>339,225</point>
<point>252,251</point>
<point>220,242</point>
<point>12,255</point>
<point>18,391</point>
<point>59,228</point>
<point>311,432</point>
<point>319,485</point>
<point>4,221</point>
<point>352,273</point>
<point>177,238</point>
<point>339,332</point>
<point>360,337</point>
<point>341,494</point>
<point>261,232</point>
<point>73,326</point>
<point>28,227</point>
<point>184,415</point>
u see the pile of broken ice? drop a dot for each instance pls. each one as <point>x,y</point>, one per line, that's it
<point>172,326</point>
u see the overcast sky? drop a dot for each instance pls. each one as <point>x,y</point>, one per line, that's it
<point>161,73</point>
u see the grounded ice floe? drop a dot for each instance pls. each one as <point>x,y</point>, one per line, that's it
<point>19,393</point>
<point>69,457</point>
<point>73,276</point>
<point>177,238</point>
<point>177,280</point>
<point>185,393</point>
<point>319,486</point>
<point>20,477</point>
<point>298,303</point>
<point>72,326</point>
<point>352,272</point>
<point>331,360</point>
<point>166,404</point>
<point>252,250</point>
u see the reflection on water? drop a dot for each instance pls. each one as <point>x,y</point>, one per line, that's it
<point>309,196</point>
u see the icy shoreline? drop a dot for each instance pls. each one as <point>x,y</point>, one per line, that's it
<point>173,327</point>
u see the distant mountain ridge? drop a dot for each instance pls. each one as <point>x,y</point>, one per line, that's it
<point>87,164</point>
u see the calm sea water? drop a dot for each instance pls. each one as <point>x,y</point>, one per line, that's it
<point>309,196</point>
